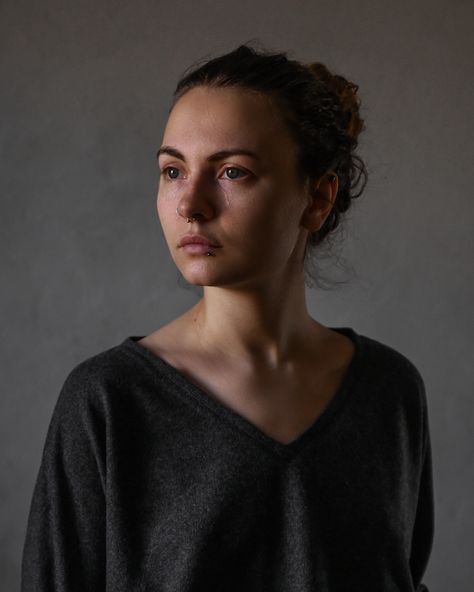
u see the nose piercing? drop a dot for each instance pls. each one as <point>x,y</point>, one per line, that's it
<point>209,254</point>
<point>187,219</point>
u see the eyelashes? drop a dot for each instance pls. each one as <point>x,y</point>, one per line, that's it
<point>165,170</point>
<point>235,169</point>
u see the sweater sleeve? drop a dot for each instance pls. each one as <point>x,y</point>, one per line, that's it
<point>64,549</point>
<point>423,530</point>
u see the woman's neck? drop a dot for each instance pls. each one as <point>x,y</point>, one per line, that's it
<point>264,328</point>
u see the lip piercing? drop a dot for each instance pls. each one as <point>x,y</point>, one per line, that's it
<point>209,254</point>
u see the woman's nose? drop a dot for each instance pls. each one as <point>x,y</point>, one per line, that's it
<point>196,200</point>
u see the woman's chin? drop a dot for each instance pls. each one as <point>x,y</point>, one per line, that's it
<point>210,277</point>
<point>201,277</point>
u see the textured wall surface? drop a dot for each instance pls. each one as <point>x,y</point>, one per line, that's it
<point>85,91</point>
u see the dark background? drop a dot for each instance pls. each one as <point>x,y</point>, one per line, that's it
<point>85,88</point>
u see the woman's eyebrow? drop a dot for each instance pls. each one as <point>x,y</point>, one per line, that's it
<point>216,156</point>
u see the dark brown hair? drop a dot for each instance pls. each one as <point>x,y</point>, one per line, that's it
<point>320,108</point>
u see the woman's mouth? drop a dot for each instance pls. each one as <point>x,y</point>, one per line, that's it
<point>199,248</point>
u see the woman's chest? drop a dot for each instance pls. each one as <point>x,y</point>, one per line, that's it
<point>196,493</point>
<point>280,403</point>
<point>280,407</point>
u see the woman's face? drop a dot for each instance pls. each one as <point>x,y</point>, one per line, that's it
<point>249,204</point>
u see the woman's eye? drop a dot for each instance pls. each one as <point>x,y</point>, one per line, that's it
<point>232,172</point>
<point>170,169</point>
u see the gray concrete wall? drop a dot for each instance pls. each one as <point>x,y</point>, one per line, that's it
<point>85,90</point>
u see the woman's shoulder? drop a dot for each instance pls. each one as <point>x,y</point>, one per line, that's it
<point>96,377</point>
<point>102,365</point>
<point>389,357</point>
<point>387,366</point>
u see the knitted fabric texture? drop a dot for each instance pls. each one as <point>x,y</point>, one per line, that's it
<point>146,483</point>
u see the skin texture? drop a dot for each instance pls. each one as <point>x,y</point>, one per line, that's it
<point>254,284</point>
<point>262,217</point>
<point>249,341</point>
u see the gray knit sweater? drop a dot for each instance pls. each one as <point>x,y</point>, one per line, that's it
<point>147,483</point>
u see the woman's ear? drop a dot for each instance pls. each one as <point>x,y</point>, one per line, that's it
<point>322,195</point>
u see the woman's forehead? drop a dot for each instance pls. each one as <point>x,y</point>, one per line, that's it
<point>226,117</point>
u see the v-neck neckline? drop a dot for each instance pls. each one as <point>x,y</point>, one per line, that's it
<point>234,419</point>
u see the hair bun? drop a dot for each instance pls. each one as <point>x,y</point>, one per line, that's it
<point>347,93</point>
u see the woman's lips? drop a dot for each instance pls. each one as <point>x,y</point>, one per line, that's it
<point>198,248</point>
<point>199,244</point>
<point>198,238</point>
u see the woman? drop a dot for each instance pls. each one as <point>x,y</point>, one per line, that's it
<point>244,445</point>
